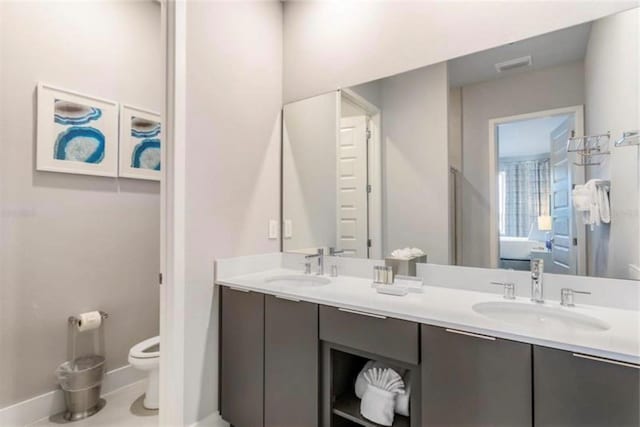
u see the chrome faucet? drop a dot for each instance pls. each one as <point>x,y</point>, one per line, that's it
<point>509,289</point>
<point>335,252</point>
<point>537,271</point>
<point>320,256</point>
<point>566,296</point>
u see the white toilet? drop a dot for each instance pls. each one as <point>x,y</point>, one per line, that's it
<point>146,357</point>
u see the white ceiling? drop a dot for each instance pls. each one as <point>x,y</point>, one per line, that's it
<point>527,137</point>
<point>547,50</point>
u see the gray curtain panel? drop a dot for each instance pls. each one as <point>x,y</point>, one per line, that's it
<point>527,188</point>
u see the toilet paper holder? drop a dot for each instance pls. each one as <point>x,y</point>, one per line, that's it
<point>73,320</point>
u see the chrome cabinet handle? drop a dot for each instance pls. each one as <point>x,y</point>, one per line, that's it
<point>611,362</point>
<point>287,298</point>
<point>239,289</point>
<point>362,313</point>
<point>470,334</point>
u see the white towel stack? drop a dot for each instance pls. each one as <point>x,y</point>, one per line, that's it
<point>593,201</point>
<point>407,253</point>
<point>378,400</point>
<point>402,400</point>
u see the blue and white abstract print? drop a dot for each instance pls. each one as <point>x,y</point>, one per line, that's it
<point>77,142</point>
<point>146,155</point>
<point>70,113</point>
<point>80,144</point>
<point>143,128</point>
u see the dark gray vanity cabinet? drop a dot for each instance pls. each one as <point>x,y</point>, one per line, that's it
<point>242,357</point>
<point>474,380</point>
<point>379,335</point>
<point>574,390</point>
<point>291,363</point>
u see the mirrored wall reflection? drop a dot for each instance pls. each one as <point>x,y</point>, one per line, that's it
<point>487,160</point>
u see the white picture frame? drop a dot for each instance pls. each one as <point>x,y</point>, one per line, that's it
<point>140,142</point>
<point>76,133</point>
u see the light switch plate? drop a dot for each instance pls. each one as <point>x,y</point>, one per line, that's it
<point>273,229</point>
<point>288,229</point>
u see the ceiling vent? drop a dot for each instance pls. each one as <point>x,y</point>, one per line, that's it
<point>513,64</point>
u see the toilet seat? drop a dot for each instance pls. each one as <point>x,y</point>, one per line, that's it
<point>140,350</point>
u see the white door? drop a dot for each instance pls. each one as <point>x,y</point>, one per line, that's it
<point>352,187</point>
<point>566,245</point>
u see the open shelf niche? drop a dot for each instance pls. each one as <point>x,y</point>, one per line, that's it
<point>345,365</point>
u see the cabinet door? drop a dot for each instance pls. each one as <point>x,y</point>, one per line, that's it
<point>577,390</point>
<point>474,380</point>
<point>291,363</point>
<point>242,358</point>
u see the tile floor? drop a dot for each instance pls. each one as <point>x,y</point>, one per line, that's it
<point>123,409</point>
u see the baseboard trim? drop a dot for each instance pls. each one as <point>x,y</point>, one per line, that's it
<point>211,420</point>
<point>47,404</point>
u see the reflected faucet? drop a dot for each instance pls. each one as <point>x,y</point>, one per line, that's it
<point>537,271</point>
<point>320,256</point>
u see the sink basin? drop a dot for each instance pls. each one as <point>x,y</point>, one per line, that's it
<point>298,280</point>
<point>539,316</point>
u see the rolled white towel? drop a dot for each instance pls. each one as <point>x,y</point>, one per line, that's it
<point>377,405</point>
<point>402,400</point>
<point>378,401</point>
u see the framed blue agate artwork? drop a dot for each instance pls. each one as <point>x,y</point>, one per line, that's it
<point>140,140</point>
<point>76,133</point>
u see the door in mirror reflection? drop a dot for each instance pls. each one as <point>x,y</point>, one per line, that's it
<point>534,187</point>
<point>331,175</point>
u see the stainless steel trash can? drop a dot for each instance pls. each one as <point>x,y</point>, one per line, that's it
<point>81,381</point>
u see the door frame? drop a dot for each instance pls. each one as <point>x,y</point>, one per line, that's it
<point>494,234</point>
<point>374,172</point>
<point>172,216</point>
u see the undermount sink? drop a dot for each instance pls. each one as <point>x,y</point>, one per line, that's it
<point>539,315</point>
<point>298,280</point>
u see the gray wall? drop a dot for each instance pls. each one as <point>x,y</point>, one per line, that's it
<point>415,162</point>
<point>612,89</point>
<point>546,89</point>
<point>309,179</point>
<point>328,45</point>
<point>73,243</point>
<point>233,102</point>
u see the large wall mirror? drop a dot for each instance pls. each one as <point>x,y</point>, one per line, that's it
<point>527,150</point>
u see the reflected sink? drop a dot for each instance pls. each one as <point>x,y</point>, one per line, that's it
<point>298,280</point>
<point>539,316</point>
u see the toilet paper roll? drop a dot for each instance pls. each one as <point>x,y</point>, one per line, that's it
<point>89,321</point>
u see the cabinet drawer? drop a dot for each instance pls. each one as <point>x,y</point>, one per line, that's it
<point>575,390</point>
<point>387,337</point>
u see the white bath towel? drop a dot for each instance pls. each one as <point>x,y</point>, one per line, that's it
<point>603,204</point>
<point>402,400</point>
<point>377,405</point>
<point>592,200</point>
<point>378,401</point>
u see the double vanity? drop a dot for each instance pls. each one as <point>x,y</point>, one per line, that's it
<point>292,345</point>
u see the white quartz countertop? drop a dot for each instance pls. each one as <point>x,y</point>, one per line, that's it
<point>452,308</point>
